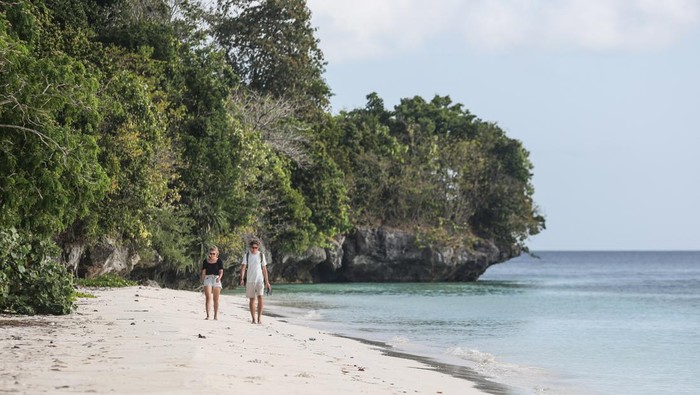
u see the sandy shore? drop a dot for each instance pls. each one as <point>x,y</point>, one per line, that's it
<point>143,340</point>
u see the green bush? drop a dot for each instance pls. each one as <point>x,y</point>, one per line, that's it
<point>31,282</point>
<point>84,295</point>
<point>106,281</point>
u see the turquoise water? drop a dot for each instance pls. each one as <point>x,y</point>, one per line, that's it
<point>569,322</point>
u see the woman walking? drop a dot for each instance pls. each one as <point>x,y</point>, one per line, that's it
<point>212,272</point>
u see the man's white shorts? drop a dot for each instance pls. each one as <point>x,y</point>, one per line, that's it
<point>253,289</point>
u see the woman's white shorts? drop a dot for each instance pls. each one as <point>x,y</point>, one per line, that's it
<point>210,281</point>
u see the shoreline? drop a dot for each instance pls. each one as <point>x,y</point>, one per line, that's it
<point>155,340</point>
<point>480,381</point>
<point>462,372</point>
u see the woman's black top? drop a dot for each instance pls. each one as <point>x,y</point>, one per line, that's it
<point>213,268</point>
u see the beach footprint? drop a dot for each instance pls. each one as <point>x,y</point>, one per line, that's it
<point>58,365</point>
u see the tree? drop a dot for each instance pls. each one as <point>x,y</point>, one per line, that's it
<point>49,120</point>
<point>171,127</point>
<point>271,46</point>
<point>132,24</point>
<point>217,157</point>
<point>325,193</point>
<point>49,169</point>
<point>436,167</point>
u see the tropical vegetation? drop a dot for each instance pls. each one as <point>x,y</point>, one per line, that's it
<point>172,125</point>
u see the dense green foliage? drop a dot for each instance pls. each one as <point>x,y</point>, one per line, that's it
<point>437,169</point>
<point>105,281</point>
<point>31,280</point>
<point>169,127</point>
<point>271,46</point>
<point>49,120</point>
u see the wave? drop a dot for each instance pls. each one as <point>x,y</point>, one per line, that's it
<point>313,315</point>
<point>475,356</point>
<point>531,379</point>
<point>398,341</point>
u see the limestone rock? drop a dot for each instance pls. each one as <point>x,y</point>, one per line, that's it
<point>366,254</point>
<point>383,255</point>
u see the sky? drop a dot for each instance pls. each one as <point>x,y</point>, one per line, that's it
<point>604,94</point>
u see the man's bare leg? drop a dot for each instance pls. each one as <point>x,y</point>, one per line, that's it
<point>260,307</point>
<point>252,309</point>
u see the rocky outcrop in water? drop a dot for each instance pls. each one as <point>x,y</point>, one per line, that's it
<point>383,255</point>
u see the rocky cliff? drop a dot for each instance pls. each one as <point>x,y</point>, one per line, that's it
<point>383,255</point>
<point>364,255</point>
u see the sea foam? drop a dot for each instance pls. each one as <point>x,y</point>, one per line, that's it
<point>313,315</point>
<point>472,355</point>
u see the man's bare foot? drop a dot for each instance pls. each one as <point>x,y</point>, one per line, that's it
<point>207,318</point>
<point>215,318</point>
<point>253,322</point>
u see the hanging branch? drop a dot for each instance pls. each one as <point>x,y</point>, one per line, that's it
<point>44,138</point>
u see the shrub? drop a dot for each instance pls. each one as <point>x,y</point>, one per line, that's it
<point>106,281</point>
<point>84,295</point>
<point>31,281</point>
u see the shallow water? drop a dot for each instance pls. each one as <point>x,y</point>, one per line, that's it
<point>569,322</point>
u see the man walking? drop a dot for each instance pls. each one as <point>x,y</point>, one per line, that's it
<point>255,262</point>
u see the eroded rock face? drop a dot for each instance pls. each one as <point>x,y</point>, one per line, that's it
<point>384,255</point>
<point>107,256</point>
<point>72,254</point>
<point>314,265</point>
<point>113,256</point>
<point>365,255</point>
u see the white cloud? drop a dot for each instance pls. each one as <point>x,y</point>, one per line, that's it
<point>357,29</point>
<point>351,29</point>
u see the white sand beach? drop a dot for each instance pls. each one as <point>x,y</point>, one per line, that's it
<point>145,340</point>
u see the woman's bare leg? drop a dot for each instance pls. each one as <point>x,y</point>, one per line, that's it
<point>217,291</point>
<point>207,293</point>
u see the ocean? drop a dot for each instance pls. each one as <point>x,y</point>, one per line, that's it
<point>562,323</point>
